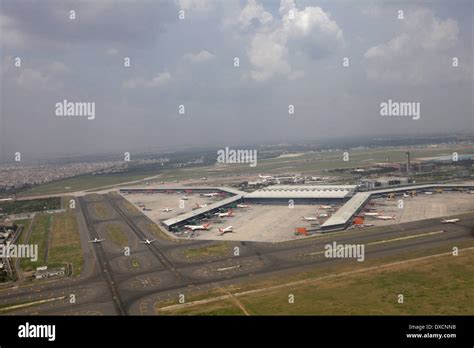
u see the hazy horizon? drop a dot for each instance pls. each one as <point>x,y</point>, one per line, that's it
<point>289,54</point>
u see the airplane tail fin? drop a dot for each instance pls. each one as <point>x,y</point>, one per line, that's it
<point>207,225</point>
<point>221,229</point>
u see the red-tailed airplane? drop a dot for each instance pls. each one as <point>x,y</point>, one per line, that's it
<point>226,214</point>
<point>223,231</point>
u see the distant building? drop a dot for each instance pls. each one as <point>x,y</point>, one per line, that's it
<point>44,272</point>
<point>382,182</point>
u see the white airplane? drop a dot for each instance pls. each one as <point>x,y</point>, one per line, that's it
<point>310,218</point>
<point>147,241</point>
<point>241,205</point>
<point>197,227</point>
<point>428,193</point>
<point>167,210</point>
<point>223,231</point>
<point>325,206</point>
<point>323,215</point>
<point>226,214</point>
<point>406,195</point>
<point>385,217</point>
<point>212,194</point>
<point>372,214</point>
<point>265,176</point>
<point>95,240</point>
<point>450,221</point>
<point>201,205</point>
<point>185,198</point>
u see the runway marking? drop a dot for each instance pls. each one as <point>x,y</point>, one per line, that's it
<point>306,281</point>
<point>28,304</point>
<point>386,241</point>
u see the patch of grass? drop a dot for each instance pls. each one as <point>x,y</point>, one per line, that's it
<point>437,286</point>
<point>39,236</point>
<point>85,182</point>
<point>100,210</point>
<point>212,250</point>
<point>116,235</point>
<point>30,206</point>
<point>26,224</point>
<point>65,243</point>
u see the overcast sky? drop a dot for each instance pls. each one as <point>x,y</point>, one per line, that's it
<point>291,53</point>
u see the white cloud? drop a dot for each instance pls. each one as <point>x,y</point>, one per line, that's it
<point>200,57</point>
<point>310,31</point>
<point>253,12</point>
<point>195,5</point>
<point>410,56</point>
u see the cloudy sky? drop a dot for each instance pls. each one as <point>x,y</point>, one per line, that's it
<point>289,53</point>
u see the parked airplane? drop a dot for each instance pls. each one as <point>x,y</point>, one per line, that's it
<point>95,240</point>
<point>406,195</point>
<point>450,221</point>
<point>223,231</point>
<point>226,214</point>
<point>323,215</point>
<point>310,218</point>
<point>372,214</point>
<point>385,217</point>
<point>185,198</point>
<point>197,227</point>
<point>212,194</point>
<point>147,241</point>
<point>428,193</point>
<point>241,205</point>
<point>265,176</point>
<point>325,206</point>
<point>166,210</point>
<point>201,205</point>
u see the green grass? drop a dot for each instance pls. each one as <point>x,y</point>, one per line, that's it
<point>437,286</point>
<point>30,206</point>
<point>116,235</point>
<point>26,224</point>
<point>39,236</point>
<point>65,243</point>
<point>101,211</point>
<point>212,250</point>
<point>85,182</point>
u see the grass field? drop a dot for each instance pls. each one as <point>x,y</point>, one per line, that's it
<point>101,210</point>
<point>26,224</point>
<point>39,236</point>
<point>65,243</point>
<point>116,235</point>
<point>212,250</point>
<point>84,183</point>
<point>435,286</point>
